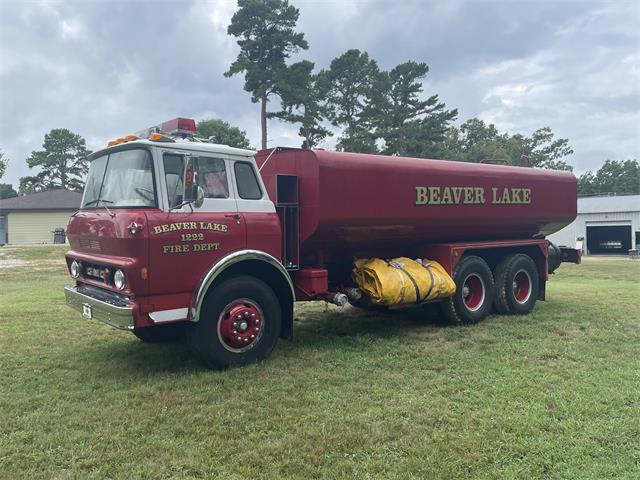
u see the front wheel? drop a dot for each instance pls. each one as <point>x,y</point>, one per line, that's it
<point>474,292</point>
<point>239,323</point>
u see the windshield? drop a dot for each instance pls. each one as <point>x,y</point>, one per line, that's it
<point>120,179</point>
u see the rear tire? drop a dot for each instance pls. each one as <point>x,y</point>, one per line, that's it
<point>517,285</point>
<point>474,292</point>
<point>174,332</point>
<point>239,323</point>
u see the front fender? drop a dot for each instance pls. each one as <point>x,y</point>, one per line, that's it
<point>222,265</point>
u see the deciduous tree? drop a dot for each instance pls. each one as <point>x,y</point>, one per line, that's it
<point>7,191</point>
<point>587,184</point>
<point>3,164</point>
<point>222,132</point>
<point>614,177</point>
<point>266,34</point>
<point>62,163</point>
<point>476,140</point>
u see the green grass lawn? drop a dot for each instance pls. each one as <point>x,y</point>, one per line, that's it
<point>555,394</point>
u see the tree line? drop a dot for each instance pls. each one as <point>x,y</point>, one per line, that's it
<point>373,110</point>
<point>614,177</point>
<point>369,109</point>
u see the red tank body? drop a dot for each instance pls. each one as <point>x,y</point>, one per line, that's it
<point>358,201</point>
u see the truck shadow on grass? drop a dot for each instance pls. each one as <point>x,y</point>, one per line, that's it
<point>122,355</point>
<point>335,324</point>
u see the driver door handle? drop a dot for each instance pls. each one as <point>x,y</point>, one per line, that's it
<point>233,215</point>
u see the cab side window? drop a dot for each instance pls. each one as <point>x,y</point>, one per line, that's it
<point>247,183</point>
<point>212,177</point>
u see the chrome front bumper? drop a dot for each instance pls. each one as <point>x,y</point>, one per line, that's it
<point>116,316</point>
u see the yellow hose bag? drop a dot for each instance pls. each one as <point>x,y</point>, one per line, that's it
<point>402,280</point>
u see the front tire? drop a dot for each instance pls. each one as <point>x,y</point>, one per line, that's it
<point>517,285</point>
<point>239,323</point>
<point>474,292</point>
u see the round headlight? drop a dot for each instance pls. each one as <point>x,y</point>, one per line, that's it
<point>118,279</point>
<point>75,269</point>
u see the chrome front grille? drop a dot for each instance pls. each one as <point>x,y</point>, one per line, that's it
<point>97,272</point>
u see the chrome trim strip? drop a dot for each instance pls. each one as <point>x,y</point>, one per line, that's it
<point>224,263</point>
<point>169,315</point>
<point>118,317</point>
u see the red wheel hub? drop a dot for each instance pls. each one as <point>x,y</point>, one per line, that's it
<point>522,286</point>
<point>473,291</point>
<point>240,325</point>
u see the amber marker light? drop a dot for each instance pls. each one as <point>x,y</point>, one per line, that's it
<point>130,138</point>
<point>144,273</point>
<point>156,136</point>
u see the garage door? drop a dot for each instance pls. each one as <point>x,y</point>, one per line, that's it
<point>608,239</point>
<point>35,227</point>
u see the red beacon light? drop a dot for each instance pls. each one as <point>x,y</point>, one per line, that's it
<point>178,127</point>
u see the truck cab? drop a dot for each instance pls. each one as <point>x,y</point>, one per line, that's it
<point>165,215</point>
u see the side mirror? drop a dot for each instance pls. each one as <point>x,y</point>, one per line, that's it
<point>199,197</point>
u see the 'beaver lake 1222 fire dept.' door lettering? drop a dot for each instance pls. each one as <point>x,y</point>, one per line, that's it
<point>186,240</point>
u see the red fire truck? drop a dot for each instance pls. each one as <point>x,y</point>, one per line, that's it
<point>179,236</point>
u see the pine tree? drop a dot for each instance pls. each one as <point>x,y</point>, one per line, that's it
<point>62,163</point>
<point>266,36</point>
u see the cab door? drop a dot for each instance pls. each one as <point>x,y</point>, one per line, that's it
<point>258,212</point>
<point>185,241</point>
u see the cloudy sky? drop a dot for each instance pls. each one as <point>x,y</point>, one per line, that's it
<point>107,68</point>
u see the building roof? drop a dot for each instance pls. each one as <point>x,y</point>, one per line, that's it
<point>617,203</point>
<point>49,200</point>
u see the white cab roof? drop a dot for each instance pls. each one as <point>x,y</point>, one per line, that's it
<point>181,144</point>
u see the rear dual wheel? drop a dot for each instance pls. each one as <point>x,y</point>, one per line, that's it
<point>474,292</point>
<point>517,285</point>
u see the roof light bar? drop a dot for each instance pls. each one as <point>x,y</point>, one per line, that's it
<point>184,127</point>
<point>180,127</point>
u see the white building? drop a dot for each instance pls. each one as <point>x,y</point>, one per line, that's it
<point>31,219</point>
<point>606,225</point>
